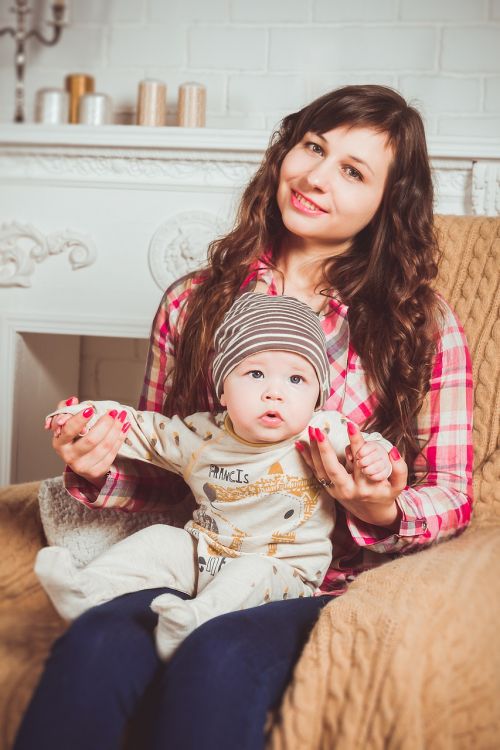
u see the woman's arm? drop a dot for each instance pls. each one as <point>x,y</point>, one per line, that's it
<point>161,357</point>
<point>438,505</point>
<point>439,502</point>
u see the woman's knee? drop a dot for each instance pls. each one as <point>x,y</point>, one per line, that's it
<point>103,632</point>
<point>92,635</point>
<point>250,638</point>
<point>217,634</point>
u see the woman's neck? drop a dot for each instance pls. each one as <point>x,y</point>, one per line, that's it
<point>302,274</point>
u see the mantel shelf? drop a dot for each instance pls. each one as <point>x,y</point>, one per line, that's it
<point>243,142</point>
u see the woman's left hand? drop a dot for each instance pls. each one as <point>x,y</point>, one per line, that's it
<point>370,501</point>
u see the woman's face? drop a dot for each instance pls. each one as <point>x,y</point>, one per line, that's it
<point>331,185</point>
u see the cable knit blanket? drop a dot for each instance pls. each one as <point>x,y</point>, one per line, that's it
<point>390,665</point>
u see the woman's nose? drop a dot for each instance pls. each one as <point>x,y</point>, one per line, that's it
<point>318,178</point>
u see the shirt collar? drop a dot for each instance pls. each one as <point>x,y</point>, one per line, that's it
<point>228,426</point>
<point>261,270</point>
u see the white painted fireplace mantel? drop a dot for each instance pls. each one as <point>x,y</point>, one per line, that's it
<point>96,222</point>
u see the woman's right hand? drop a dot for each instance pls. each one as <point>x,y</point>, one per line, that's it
<point>89,454</point>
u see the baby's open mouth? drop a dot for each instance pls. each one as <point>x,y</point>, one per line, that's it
<point>271,416</point>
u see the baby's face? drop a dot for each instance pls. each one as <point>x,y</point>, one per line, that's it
<point>270,396</point>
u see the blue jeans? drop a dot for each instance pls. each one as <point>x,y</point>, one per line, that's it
<point>103,678</point>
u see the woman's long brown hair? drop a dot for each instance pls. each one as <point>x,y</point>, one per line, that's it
<point>384,277</point>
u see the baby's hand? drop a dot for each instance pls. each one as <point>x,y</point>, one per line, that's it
<point>373,460</point>
<point>57,423</point>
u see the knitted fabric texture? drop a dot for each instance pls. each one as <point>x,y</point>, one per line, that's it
<point>259,322</point>
<point>407,659</point>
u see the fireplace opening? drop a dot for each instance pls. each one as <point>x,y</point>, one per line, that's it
<point>50,367</point>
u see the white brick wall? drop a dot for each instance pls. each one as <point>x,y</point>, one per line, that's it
<point>260,59</point>
<point>443,10</point>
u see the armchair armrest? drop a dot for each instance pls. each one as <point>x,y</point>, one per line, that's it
<point>28,622</point>
<point>408,657</point>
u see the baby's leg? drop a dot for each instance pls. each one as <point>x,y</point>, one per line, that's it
<point>158,555</point>
<point>242,582</point>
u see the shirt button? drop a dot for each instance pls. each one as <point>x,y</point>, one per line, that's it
<point>424,525</point>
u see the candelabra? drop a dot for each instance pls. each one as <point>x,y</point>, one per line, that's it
<point>21,34</point>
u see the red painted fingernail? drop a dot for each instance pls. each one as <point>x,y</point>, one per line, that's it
<point>113,413</point>
<point>126,427</point>
<point>299,446</point>
<point>312,435</point>
<point>394,454</point>
<point>122,415</point>
<point>319,435</point>
<point>88,412</point>
<point>351,428</point>
<point>69,401</point>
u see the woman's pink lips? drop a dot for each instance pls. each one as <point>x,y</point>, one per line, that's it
<point>302,207</point>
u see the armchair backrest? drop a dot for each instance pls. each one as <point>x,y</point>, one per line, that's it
<point>469,279</point>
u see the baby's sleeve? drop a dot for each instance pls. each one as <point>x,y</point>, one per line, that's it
<point>151,437</point>
<point>334,424</point>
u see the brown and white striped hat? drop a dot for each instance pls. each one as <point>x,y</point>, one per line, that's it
<point>260,322</point>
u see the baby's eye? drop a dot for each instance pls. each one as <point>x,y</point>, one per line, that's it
<point>353,173</point>
<point>256,374</point>
<point>296,379</point>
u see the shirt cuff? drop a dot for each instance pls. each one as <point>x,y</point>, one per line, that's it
<point>84,491</point>
<point>412,524</point>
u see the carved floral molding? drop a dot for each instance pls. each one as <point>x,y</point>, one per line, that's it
<point>22,247</point>
<point>180,244</point>
<point>111,169</point>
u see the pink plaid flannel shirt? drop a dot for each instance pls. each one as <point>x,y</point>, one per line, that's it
<point>436,507</point>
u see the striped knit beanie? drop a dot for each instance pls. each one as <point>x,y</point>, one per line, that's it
<point>259,322</point>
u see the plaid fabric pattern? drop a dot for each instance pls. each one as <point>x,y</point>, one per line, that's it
<point>436,507</point>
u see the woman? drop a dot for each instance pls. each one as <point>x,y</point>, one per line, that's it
<point>340,216</point>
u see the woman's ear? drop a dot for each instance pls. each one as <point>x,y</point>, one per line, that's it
<point>222,399</point>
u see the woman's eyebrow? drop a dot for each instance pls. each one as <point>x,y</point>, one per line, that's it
<point>318,135</point>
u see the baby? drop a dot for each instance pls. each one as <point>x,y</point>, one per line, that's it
<point>261,530</point>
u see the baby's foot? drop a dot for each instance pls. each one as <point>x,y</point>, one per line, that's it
<point>176,620</point>
<point>59,577</point>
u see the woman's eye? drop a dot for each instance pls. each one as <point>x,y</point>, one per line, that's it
<point>353,173</point>
<point>256,374</point>
<point>314,147</point>
<point>296,379</point>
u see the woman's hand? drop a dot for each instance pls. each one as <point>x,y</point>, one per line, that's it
<point>369,499</point>
<point>90,454</point>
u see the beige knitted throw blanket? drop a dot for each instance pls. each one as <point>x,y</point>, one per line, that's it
<point>390,665</point>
